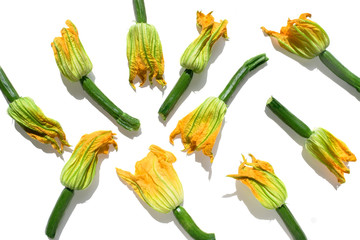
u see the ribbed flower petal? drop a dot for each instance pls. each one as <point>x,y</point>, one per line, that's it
<point>200,128</point>
<point>302,37</point>
<point>197,54</point>
<point>79,171</point>
<point>70,55</point>
<point>155,180</point>
<point>331,151</point>
<point>31,118</point>
<point>144,54</point>
<point>259,176</point>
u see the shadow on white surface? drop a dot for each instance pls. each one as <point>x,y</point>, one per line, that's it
<point>197,83</point>
<point>296,137</point>
<point>81,196</point>
<point>320,169</point>
<point>46,148</point>
<point>316,63</point>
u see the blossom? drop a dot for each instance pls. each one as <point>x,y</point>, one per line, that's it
<point>79,171</point>
<point>39,127</point>
<point>330,151</point>
<point>259,176</point>
<point>197,54</point>
<point>302,37</point>
<point>155,180</point>
<point>144,53</point>
<point>70,55</point>
<point>200,128</point>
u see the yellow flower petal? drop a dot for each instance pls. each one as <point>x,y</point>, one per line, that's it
<point>79,171</point>
<point>302,37</point>
<point>200,128</point>
<point>39,127</point>
<point>155,180</point>
<point>70,55</point>
<point>259,176</point>
<point>331,151</point>
<point>144,53</point>
<point>197,54</point>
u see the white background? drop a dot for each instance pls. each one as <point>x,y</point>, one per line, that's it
<point>108,210</point>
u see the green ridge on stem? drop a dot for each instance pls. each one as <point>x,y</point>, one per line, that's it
<point>7,88</point>
<point>58,212</point>
<point>248,66</point>
<point>140,12</point>
<point>291,223</point>
<point>340,70</point>
<point>287,117</point>
<point>123,119</point>
<point>190,226</point>
<point>175,93</point>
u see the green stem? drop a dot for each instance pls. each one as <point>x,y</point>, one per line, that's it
<point>248,66</point>
<point>58,212</point>
<point>125,120</point>
<point>287,117</point>
<point>340,70</point>
<point>291,223</point>
<point>139,9</point>
<point>190,226</point>
<point>7,88</point>
<point>175,93</point>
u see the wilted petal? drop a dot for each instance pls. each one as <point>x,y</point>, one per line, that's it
<point>30,117</point>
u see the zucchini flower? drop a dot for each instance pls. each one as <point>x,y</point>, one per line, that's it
<point>74,64</point>
<point>156,183</point>
<point>259,176</point>
<point>155,180</point>
<point>79,172</point>
<point>326,148</point>
<point>144,50</point>
<point>302,37</point>
<point>198,53</point>
<point>70,55</point>
<point>330,151</point>
<point>31,118</point>
<point>39,127</point>
<point>308,39</point>
<point>269,190</point>
<point>195,58</point>
<point>144,53</point>
<point>200,128</point>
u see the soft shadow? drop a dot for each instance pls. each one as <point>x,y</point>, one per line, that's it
<point>311,64</point>
<point>147,83</point>
<point>81,196</point>
<point>320,169</point>
<point>308,63</point>
<point>350,89</point>
<point>198,81</point>
<point>74,88</point>
<point>46,148</point>
<point>296,137</point>
<point>256,209</point>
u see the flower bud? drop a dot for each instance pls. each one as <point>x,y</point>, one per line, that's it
<point>39,127</point>
<point>330,151</point>
<point>302,37</point>
<point>155,180</point>
<point>79,171</point>
<point>259,176</point>
<point>144,53</point>
<point>70,55</point>
<point>197,54</point>
<point>200,128</point>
